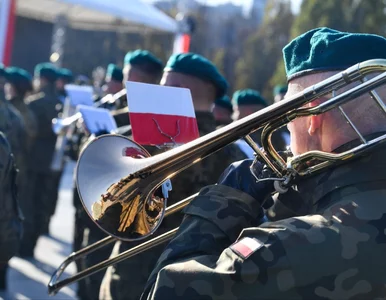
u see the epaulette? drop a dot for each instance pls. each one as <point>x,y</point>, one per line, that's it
<point>35,97</point>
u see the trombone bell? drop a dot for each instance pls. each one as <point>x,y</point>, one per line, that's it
<point>106,161</point>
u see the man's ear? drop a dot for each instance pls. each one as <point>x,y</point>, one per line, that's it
<point>315,122</point>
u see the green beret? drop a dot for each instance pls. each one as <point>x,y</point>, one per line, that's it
<point>2,70</point>
<point>114,72</point>
<point>248,97</point>
<point>19,77</point>
<point>47,71</point>
<point>224,102</point>
<point>280,89</point>
<point>144,60</point>
<point>325,49</point>
<point>197,66</point>
<point>66,75</point>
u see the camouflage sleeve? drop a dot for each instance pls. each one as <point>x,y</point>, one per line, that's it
<point>202,260</point>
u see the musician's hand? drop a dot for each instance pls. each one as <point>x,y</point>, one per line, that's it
<point>238,176</point>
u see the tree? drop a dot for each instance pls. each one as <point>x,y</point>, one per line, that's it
<point>316,13</point>
<point>262,51</point>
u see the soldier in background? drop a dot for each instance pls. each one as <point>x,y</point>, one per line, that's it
<point>65,76</point>
<point>206,84</point>
<point>138,66</point>
<point>45,105</point>
<point>222,111</point>
<point>246,102</point>
<point>18,85</point>
<point>13,127</point>
<point>11,226</point>
<point>113,80</point>
<point>113,84</point>
<point>279,92</point>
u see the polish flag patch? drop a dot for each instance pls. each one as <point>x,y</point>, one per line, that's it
<point>246,247</point>
<point>161,115</point>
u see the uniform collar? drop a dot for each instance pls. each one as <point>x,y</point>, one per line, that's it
<point>310,194</point>
<point>366,168</point>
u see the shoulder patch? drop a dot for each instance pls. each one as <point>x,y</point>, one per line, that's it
<point>246,247</point>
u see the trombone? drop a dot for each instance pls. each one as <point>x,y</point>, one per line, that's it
<point>125,181</point>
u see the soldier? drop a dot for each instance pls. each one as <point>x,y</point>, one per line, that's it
<point>279,92</point>
<point>11,226</point>
<point>222,111</point>
<point>246,102</point>
<point>206,84</point>
<point>138,66</point>
<point>45,105</point>
<point>113,84</point>
<point>330,247</point>
<point>18,85</point>
<point>65,76</point>
<point>113,79</point>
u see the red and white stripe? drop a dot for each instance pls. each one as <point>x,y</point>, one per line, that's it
<point>7,25</point>
<point>181,43</point>
<point>169,107</point>
<point>246,246</point>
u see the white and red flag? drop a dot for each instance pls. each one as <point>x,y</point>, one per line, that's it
<point>161,115</point>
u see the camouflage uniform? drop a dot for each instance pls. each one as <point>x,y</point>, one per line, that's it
<point>331,247</point>
<point>127,279</point>
<point>45,106</point>
<point>10,215</point>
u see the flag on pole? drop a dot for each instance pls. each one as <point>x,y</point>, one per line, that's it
<point>181,43</point>
<point>7,25</point>
<point>161,115</point>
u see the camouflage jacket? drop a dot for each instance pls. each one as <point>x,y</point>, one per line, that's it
<point>13,126</point>
<point>335,250</point>
<point>45,105</point>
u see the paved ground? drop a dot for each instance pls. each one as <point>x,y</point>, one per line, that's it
<point>29,279</point>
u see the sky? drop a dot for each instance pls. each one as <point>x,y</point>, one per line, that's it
<point>295,3</point>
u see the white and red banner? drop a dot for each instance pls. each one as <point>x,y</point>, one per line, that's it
<point>161,115</point>
<point>7,26</point>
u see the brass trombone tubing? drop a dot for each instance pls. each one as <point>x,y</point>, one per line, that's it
<point>54,286</point>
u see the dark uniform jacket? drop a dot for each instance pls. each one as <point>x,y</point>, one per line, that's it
<point>45,105</point>
<point>28,117</point>
<point>121,282</point>
<point>333,249</point>
<point>13,126</point>
<point>10,216</point>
